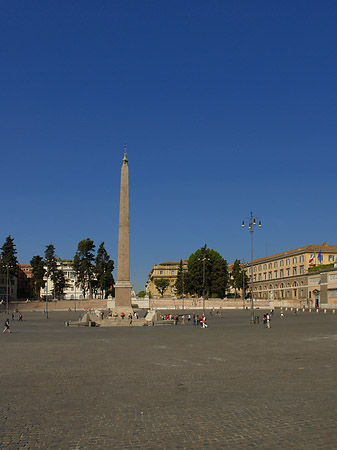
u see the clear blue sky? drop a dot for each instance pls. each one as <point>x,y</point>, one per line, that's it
<point>224,105</point>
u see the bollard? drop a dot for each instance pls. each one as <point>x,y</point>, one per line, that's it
<point>324,311</point>
<point>333,311</point>
<point>303,310</point>
<point>291,309</point>
<point>309,309</point>
<point>286,309</point>
<point>317,310</point>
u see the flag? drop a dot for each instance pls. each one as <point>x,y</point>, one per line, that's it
<point>319,257</point>
<point>312,257</point>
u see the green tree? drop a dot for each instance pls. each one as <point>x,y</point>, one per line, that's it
<point>84,265</point>
<point>239,278</point>
<point>9,263</point>
<point>207,270</point>
<point>180,282</point>
<point>103,269</point>
<point>161,285</point>
<point>8,257</point>
<point>141,294</point>
<point>51,265</point>
<point>39,272</point>
<point>59,283</point>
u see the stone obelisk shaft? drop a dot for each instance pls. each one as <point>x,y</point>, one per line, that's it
<point>123,285</point>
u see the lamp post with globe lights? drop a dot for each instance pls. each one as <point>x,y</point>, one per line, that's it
<point>251,224</point>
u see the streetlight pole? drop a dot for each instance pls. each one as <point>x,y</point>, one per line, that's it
<point>243,284</point>
<point>252,224</point>
<point>203,259</point>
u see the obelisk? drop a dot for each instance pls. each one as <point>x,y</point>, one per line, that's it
<point>123,285</point>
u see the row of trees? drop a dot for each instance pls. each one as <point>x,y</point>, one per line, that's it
<point>207,274</point>
<point>92,273</point>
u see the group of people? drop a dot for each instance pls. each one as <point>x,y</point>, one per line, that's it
<point>7,328</point>
<point>197,320</point>
<point>267,317</point>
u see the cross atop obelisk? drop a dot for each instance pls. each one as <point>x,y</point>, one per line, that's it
<point>123,285</point>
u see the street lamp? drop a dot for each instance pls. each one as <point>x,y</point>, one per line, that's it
<point>252,224</point>
<point>203,259</point>
<point>243,284</point>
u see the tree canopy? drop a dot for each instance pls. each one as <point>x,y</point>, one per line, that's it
<point>84,265</point>
<point>180,282</point>
<point>103,270</point>
<point>8,257</point>
<point>38,271</point>
<point>161,285</point>
<point>207,272</point>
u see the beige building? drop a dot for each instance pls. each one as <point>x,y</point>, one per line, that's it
<point>297,276</point>
<point>167,270</point>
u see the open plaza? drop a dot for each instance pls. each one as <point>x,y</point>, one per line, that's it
<point>231,386</point>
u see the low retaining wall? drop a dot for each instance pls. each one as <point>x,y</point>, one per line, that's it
<point>57,305</point>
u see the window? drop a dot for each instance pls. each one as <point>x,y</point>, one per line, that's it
<point>281,273</point>
<point>270,265</point>
<point>322,257</point>
<point>172,272</point>
<point>259,268</point>
<point>264,266</point>
<point>260,277</point>
<point>294,260</point>
<point>294,271</point>
<point>287,261</point>
<point>254,277</point>
<point>269,275</point>
<point>275,273</point>
<point>302,258</point>
<point>301,270</point>
<point>254,268</point>
<point>275,264</point>
<point>281,263</point>
<point>288,272</point>
<point>265,276</point>
<point>331,258</point>
<point>161,272</point>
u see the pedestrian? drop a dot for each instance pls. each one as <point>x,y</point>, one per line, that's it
<point>122,315</point>
<point>130,318</point>
<point>13,317</point>
<point>204,321</point>
<point>176,319</point>
<point>282,315</point>
<point>188,317</point>
<point>6,327</point>
<point>183,320</point>
<point>268,320</point>
<point>194,319</point>
<point>20,318</point>
<point>264,321</point>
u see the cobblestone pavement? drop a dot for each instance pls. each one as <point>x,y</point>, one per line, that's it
<point>231,386</point>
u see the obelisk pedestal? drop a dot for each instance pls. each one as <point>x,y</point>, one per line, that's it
<point>123,286</point>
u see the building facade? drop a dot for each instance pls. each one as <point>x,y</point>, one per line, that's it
<point>169,271</point>
<point>296,276</point>
<point>72,290</point>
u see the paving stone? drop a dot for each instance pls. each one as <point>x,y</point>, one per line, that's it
<point>231,386</point>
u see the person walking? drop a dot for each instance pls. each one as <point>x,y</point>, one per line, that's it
<point>183,320</point>
<point>6,327</point>
<point>20,318</point>
<point>268,320</point>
